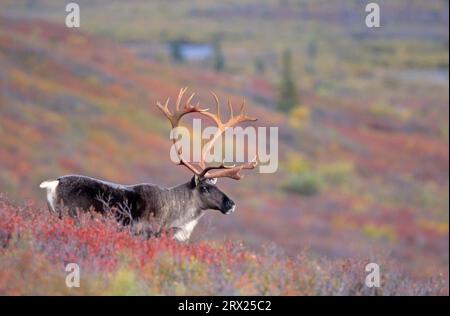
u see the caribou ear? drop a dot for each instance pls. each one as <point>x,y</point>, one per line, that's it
<point>194,182</point>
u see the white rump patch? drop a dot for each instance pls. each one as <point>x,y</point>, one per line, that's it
<point>51,192</point>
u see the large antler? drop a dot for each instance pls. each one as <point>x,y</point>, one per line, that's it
<point>204,172</point>
<point>175,120</point>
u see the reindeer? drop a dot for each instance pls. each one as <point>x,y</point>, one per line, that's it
<point>176,209</point>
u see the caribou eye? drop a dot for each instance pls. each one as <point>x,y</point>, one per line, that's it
<point>204,189</point>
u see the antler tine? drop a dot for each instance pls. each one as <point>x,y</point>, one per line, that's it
<point>230,108</point>
<point>216,99</point>
<point>221,166</point>
<point>165,106</point>
<point>165,109</point>
<point>179,113</point>
<point>243,106</point>
<point>243,116</point>
<point>227,171</point>
<point>188,105</point>
<point>180,96</point>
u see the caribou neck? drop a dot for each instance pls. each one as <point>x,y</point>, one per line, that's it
<point>179,205</point>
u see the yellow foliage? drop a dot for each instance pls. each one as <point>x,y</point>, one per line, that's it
<point>380,232</point>
<point>123,282</point>
<point>390,111</point>
<point>299,117</point>
<point>337,172</point>
<point>179,288</point>
<point>439,227</point>
<point>297,164</point>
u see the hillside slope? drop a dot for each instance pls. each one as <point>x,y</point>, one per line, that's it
<point>76,103</point>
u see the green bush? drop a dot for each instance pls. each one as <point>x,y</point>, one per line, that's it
<point>307,184</point>
<point>337,173</point>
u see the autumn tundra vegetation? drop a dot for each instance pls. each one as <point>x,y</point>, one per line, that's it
<point>363,145</point>
<point>37,245</point>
